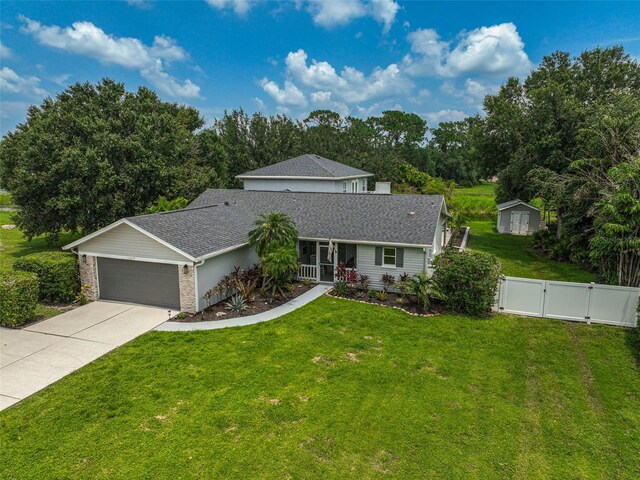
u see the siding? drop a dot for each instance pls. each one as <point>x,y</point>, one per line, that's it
<point>127,242</point>
<point>300,185</point>
<point>212,270</point>
<point>414,262</point>
<point>504,218</point>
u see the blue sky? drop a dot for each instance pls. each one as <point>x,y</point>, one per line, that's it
<point>358,57</point>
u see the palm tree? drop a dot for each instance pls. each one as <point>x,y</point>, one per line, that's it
<point>273,230</point>
<point>424,288</point>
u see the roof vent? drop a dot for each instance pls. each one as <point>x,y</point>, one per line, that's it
<point>226,204</point>
<point>412,213</point>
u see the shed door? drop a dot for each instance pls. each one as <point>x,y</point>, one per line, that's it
<point>139,282</point>
<point>520,222</point>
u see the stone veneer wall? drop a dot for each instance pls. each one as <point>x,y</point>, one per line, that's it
<point>89,275</point>
<point>187,283</point>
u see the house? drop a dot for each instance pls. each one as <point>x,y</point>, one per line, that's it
<point>307,173</point>
<point>518,218</point>
<point>171,259</point>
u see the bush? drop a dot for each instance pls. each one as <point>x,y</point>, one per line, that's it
<point>18,297</point>
<point>468,280</point>
<point>57,273</point>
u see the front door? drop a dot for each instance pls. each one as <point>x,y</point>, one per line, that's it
<point>326,263</point>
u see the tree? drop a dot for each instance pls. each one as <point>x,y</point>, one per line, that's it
<point>97,153</point>
<point>165,205</point>
<point>279,264</point>
<point>424,289</point>
<point>273,230</point>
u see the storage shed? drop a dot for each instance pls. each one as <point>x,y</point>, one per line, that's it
<point>518,218</point>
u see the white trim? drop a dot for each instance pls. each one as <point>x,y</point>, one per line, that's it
<point>220,252</point>
<point>301,177</point>
<point>135,259</point>
<point>520,202</point>
<point>367,242</point>
<point>94,234</point>
<point>135,227</point>
<point>395,258</point>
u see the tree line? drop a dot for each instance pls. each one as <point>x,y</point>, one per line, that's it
<point>568,134</point>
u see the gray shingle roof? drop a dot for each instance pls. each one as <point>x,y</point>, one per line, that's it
<point>209,224</point>
<point>307,166</point>
<point>512,203</point>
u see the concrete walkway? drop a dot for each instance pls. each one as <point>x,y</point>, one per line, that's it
<point>290,306</point>
<point>38,355</point>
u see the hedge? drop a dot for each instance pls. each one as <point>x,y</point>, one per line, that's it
<point>57,273</point>
<point>468,279</point>
<point>18,297</point>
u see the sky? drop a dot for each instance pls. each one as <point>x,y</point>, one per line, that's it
<point>356,57</point>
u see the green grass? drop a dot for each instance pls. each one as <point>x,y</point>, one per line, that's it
<point>478,201</point>
<point>517,256</point>
<point>342,390</point>
<point>5,199</point>
<point>13,243</point>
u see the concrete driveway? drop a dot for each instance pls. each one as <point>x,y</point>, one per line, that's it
<point>38,355</point>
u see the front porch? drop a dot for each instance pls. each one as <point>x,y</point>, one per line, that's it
<point>319,259</point>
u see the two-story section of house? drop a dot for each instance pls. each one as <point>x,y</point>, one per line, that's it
<point>307,173</point>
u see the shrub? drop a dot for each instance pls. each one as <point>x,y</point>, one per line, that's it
<point>279,266</point>
<point>382,296</point>
<point>372,294</point>
<point>340,288</point>
<point>388,281</point>
<point>57,273</point>
<point>18,297</point>
<point>82,298</point>
<point>424,288</point>
<point>468,280</point>
<point>236,304</point>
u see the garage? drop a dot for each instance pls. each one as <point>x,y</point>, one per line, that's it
<point>139,282</point>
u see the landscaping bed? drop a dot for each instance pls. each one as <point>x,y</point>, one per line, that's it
<point>261,302</point>
<point>407,303</point>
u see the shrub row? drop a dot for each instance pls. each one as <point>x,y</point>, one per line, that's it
<point>57,273</point>
<point>469,280</point>
<point>18,297</point>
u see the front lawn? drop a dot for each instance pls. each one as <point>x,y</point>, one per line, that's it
<point>342,390</point>
<point>518,258</point>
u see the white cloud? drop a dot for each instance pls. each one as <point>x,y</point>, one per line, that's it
<point>84,38</point>
<point>289,96</point>
<point>241,7</point>
<point>335,12</point>
<point>351,85</point>
<point>385,11</point>
<point>141,4</point>
<point>331,13</point>
<point>328,13</point>
<point>260,104</point>
<point>12,83</point>
<point>446,115</point>
<point>5,52</point>
<point>494,50</point>
<point>472,91</point>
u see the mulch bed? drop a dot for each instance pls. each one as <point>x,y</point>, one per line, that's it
<point>262,303</point>
<point>409,304</point>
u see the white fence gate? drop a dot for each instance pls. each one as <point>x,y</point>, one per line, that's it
<point>582,302</point>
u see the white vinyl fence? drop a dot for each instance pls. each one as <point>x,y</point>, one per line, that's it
<point>581,302</point>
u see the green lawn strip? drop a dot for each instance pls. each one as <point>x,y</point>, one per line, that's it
<point>13,243</point>
<point>339,390</point>
<point>518,258</point>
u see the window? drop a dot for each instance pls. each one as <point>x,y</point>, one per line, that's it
<point>389,257</point>
<point>348,253</point>
<point>354,186</point>
<point>344,187</point>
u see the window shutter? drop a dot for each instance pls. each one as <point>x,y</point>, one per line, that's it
<point>378,255</point>
<point>399,257</point>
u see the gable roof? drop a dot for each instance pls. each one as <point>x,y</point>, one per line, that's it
<point>220,220</point>
<point>307,166</point>
<point>513,203</point>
